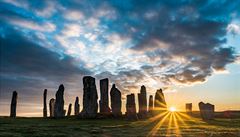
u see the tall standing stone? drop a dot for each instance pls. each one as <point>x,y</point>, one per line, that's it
<point>150,107</point>
<point>116,101</point>
<point>59,103</point>
<point>189,108</point>
<point>206,111</point>
<point>51,107</point>
<point>69,109</point>
<point>159,102</point>
<point>90,97</point>
<point>45,103</point>
<point>13,104</point>
<point>76,106</point>
<point>131,107</point>
<point>142,101</point>
<point>104,105</point>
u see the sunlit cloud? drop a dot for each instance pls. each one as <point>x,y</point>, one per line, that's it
<point>73,15</point>
<point>233,28</point>
<point>43,27</point>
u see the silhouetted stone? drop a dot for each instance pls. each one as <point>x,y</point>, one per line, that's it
<point>206,111</point>
<point>90,105</point>
<point>159,102</point>
<point>76,106</point>
<point>13,104</point>
<point>59,103</point>
<point>189,108</point>
<point>131,107</point>
<point>51,107</point>
<point>142,101</point>
<point>116,101</point>
<point>150,107</point>
<point>104,105</point>
<point>69,109</point>
<point>45,103</point>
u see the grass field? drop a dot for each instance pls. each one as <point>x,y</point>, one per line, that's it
<point>175,124</point>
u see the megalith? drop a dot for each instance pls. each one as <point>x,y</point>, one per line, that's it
<point>142,102</point>
<point>104,101</point>
<point>189,108</point>
<point>150,106</point>
<point>116,101</point>
<point>69,109</point>
<point>131,107</point>
<point>59,103</point>
<point>159,102</point>
<point>51,107</point>
<point>90,97</point>
<point>13,104</point>
<point>206,111</point>
<point>45,103</point>
<point>76,106</point>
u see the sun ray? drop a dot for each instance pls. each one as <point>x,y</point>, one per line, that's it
<point>158,125</point>
<point>158,116</point>
<point>177,130</point>
<point>192,119</point>
<point>169,125</point>
<point>181,120</point>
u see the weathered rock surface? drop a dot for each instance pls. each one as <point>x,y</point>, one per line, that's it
<point>104,101</point>
<point>142,101</point>
<point>59,103</point>
<point>206,110</point>
<point>90,97</point>
<point>116,101</point>
<point>45,103</point>
<point>150,106</point>
<point>189,108</point>
<point>159,102</point>
<point>69,109</point>
<point>51,107</point>
<point>13,104</point>
<point>131,107</point>
<point>76,106</point>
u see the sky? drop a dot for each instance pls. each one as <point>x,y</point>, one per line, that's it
<point>189,48</point>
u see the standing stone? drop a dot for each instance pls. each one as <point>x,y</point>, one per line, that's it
<point>189,108</point>
<point>142,101</point>
<point>159,102</point>
<point>90,97</point>
<point>76,107</point>
<point>13,104</point>
<point>45,103</point>
<point>69,109</point>
<point>51,107</point>
<point>150,107</point>
<point>116,101</point>
<point>104,105</point>
<point>131,107</point>
<point>206,111</point>
<point>59,103</point>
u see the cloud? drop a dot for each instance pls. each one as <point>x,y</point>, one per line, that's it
<point>49,9</point>
<point>233,28</point>
<point>73,15</point>
<point>17,3</point>
<point>72,30</point>
<point>160,42</point>
<point>44,27</point>
<point>20,56</point>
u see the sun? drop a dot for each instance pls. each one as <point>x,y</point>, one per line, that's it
<point>172,109</point>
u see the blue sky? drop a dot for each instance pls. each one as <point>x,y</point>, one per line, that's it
<point>184,45</point>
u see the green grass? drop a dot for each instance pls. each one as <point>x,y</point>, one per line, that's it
<point>182,126</point>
